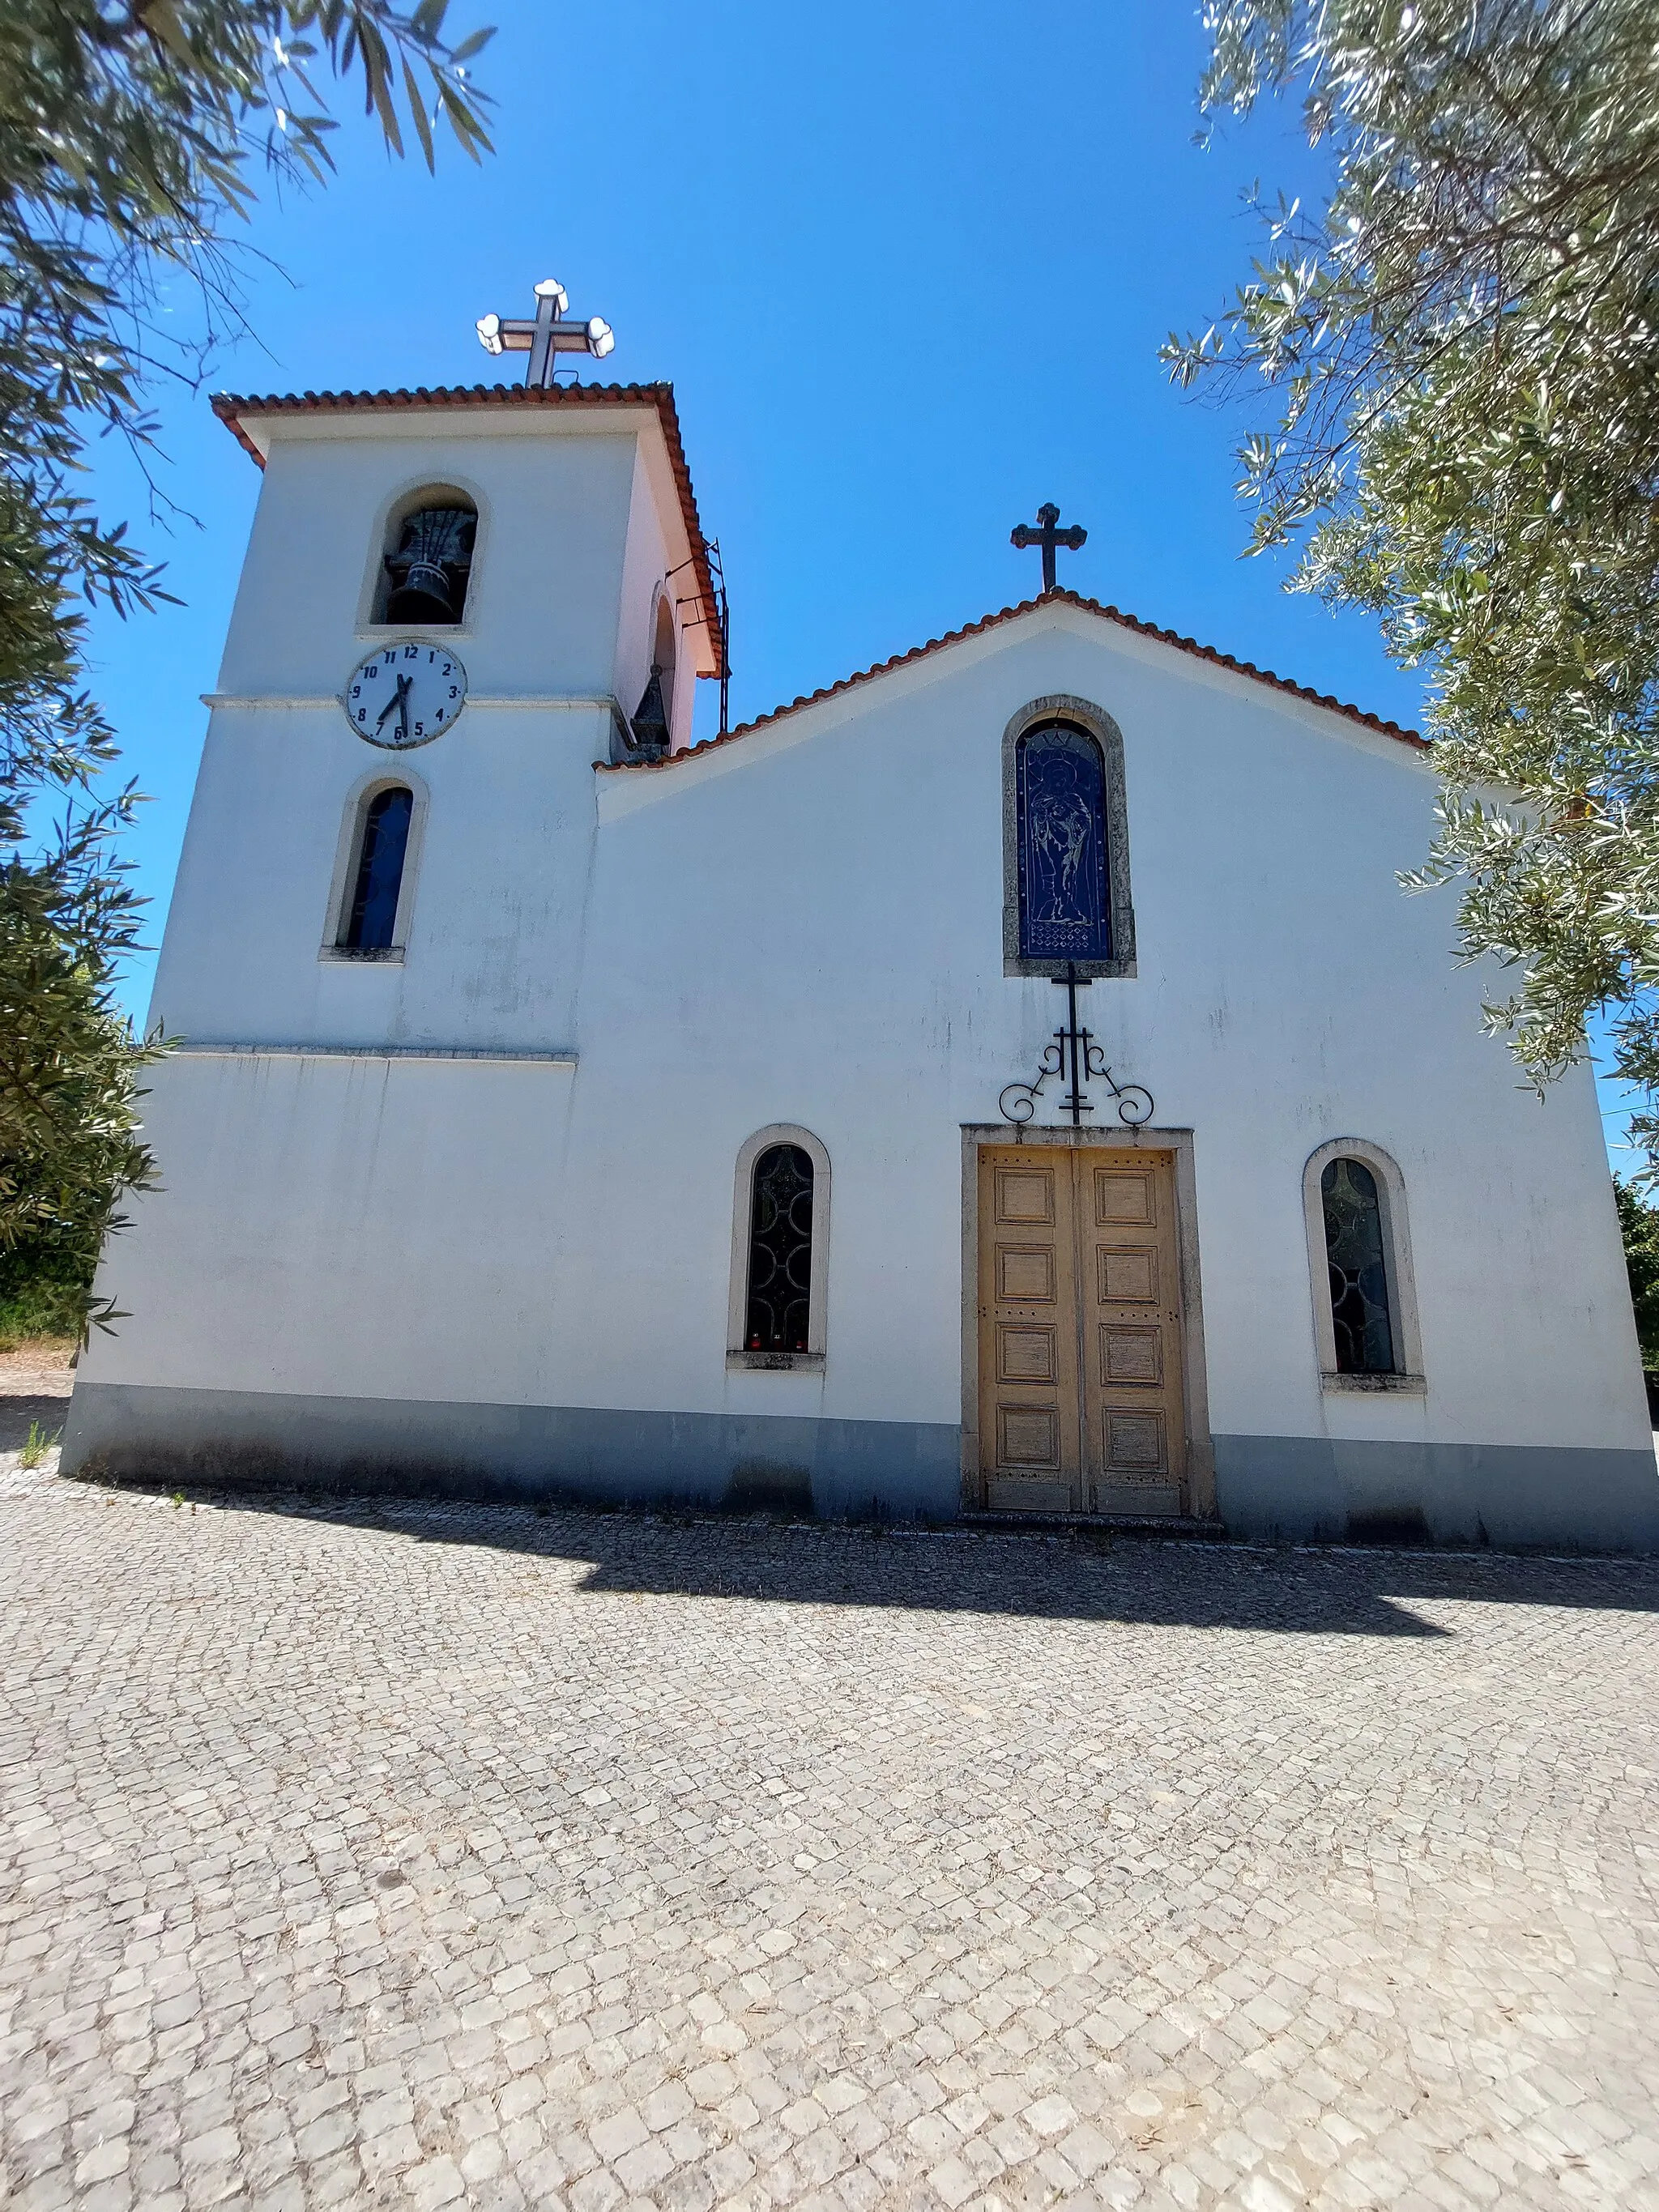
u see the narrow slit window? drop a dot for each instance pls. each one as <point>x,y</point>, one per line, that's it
<point>1361,1317</point>
<point>780,1252</point>
<point>371,919</point>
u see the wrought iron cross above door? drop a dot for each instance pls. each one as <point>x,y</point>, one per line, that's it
<point>1048,535</point>
<point>1076,1057</point>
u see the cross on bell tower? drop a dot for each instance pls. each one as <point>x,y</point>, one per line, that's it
<point>1047,536</point>
<point>548,335</point>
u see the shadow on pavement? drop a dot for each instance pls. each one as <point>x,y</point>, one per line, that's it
<point>1071,1576</point>
<point>18,1413</point>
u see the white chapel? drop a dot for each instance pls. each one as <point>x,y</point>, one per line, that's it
<point>1093,1129</point>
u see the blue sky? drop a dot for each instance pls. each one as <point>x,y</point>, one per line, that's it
<point>908,270</point>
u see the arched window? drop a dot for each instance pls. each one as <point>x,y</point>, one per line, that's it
<point>780,1278</point>
<point>428,561</point>
<point>371,913</point>
<point>664,654</point>
<point>653,718</point>
<point>1061,848</point>
<point>778,1315</point>
<point>1356,1254</point>
<point>1366,1333</point>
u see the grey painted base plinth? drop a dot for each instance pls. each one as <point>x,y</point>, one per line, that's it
<point>1276,1489</point>
<point>1302,1489</point>
<point>881,1470</point>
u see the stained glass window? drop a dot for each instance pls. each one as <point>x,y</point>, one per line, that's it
<point>1360,1275</point>
<point>371,919</point>
<point>779,1251</point>
<point>1061,785</point>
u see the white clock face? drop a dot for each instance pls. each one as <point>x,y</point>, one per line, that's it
<point>405,694</point>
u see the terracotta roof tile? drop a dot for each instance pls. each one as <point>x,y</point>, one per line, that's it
<point>1011,614</point>
<point>231,408</point>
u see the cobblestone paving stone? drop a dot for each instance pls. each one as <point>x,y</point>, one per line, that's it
<point>418,1856</point>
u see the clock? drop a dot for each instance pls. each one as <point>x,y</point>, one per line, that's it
<point>405,694</point>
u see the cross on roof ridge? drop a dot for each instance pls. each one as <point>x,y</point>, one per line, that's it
<point>547,335</point>
<point>1048,535</point>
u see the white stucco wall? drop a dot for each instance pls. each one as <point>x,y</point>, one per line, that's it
<point>805,926</point>
<point>338,1224</point>
<point>500,881</point>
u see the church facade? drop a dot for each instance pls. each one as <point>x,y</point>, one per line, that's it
<point>1009,1082</point>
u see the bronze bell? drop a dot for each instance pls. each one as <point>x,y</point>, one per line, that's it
<point>429,570</point>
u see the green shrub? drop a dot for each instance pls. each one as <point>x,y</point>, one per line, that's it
<point>1640,1224</point>
<point>44,1289</point>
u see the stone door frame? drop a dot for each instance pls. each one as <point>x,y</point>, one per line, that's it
<point>977,1137</point>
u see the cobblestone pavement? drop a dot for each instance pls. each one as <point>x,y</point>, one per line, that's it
<point>415,1856</point>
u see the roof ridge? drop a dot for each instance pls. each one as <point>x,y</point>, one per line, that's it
<point>1060,595</point>
<point>500,395</point>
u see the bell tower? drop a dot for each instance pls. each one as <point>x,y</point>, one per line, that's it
<point>462,598</point>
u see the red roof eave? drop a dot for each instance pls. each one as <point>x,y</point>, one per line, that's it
<point>1060,596</point>
<point>230,409</point>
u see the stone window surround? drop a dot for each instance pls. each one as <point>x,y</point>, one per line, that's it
<point>1063,707</point>
<point>349,852</point>
<point>779,1133</point>
<point>1407,1377</point>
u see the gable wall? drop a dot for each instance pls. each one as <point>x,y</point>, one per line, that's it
<point>814,935</point>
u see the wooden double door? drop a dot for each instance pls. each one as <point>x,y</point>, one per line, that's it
<point>1080,1386</point>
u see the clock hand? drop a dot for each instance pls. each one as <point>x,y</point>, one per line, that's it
<point>405,685</point>
<point>396,700</point>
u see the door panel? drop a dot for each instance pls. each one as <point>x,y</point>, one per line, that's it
<point>1026,1274</point>
<point>1027,1355</point>
<point>1122,1195</point>
<point>1079,1323</point>
<point>1127,1277</point>
<point>1029,1417</point>
<point>1135,1443</point>
<point>1026,1194</point>
<point>1130,1354</point>
<point>1030,1437</point>
<point>1135,1437</point>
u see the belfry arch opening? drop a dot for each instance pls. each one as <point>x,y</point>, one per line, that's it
<point>653,718</point>
<point>665,646</point>
<point>426,559</point>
